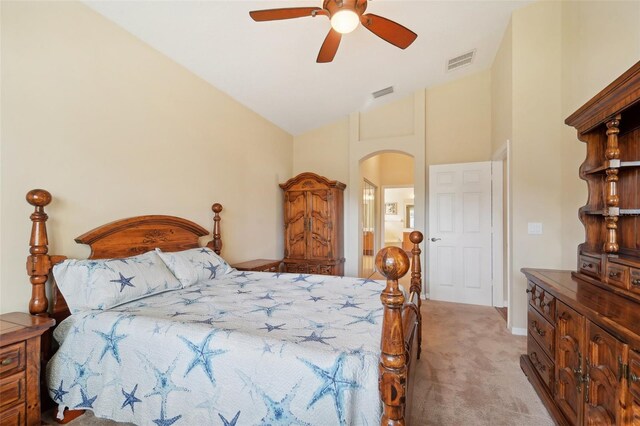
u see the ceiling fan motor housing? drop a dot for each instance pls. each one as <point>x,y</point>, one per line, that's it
<point>334,6</point>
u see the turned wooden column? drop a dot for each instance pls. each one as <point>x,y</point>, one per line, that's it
<point>39,262</point>
<point>612,154</point>
<point>393,263</point>
<point>416,238</point>
<point>216,243</point>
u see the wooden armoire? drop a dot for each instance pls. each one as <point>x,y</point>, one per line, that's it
<point>583,350</point>
<point>313,225</point>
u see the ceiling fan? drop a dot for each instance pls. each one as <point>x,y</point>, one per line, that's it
<point>345,16</point>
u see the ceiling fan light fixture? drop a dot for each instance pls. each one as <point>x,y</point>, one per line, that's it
<point>344,21</point>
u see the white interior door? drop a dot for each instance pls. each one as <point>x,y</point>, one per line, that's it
<point>460,233</point>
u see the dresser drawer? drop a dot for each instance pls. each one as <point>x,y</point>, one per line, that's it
<point>542,331</point>
<point>545,303</point>
<point>634,280</point>
<point>14,416</point>
<point>541,362</point>
<point>12,390</point>
<point>617,275</point>
<point>589,265</point>
<point>12,359</point>
<point>532,292</point>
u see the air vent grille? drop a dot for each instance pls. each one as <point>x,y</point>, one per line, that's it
<point>382,92</point>
<point>461,60</point>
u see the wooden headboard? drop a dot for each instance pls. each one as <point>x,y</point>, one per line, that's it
<point>122,238</point>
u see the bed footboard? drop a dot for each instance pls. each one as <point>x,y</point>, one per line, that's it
<point>401,328</point>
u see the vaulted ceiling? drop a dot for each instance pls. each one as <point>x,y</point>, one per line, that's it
<point>271,68</point>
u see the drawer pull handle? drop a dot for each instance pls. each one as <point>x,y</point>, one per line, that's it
<point>614,274</point>
<point>587,265</point>
<point>536,362</point>
<point>7,361</point>
<point>538,330</point>
<point>529,290</point>
<point>634,378</point>
<point>635,282</point>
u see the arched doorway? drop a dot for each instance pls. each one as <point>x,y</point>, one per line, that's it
<point>386,215</point>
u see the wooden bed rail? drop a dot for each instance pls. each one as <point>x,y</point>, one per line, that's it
<point>393,263</point>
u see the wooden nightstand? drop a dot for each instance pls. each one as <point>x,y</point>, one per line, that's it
<point>20,367</point>
<point>260,265</point>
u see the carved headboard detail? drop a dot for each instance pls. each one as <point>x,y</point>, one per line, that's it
<point>122,238</point>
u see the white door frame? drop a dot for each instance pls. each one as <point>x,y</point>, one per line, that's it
<point>496,234</point>
<point>499,157</point>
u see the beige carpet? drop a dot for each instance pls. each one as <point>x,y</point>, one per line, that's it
<point>469,373</point>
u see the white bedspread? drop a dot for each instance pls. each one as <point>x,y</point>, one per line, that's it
<point>249,348</point>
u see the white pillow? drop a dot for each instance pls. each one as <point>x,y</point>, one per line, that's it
<point>105,283</point>
<point>193,265</point>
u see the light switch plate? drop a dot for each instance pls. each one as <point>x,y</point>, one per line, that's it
<point>534,228</point>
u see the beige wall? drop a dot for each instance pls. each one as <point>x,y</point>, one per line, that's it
<point>113,129</point>
<point>396,169</point>
<point>501,93</point>
<point>537,127</point>
<point>324,151</point>
<point>459,120</point>
<point>389,120</point>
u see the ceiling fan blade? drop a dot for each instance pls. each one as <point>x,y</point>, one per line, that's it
<point>285,13</point>
<point>388,30</point>
<point>329,47</point>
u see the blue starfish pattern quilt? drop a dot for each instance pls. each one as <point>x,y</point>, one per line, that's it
<point>247,348</point>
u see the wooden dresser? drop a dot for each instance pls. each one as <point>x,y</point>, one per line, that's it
<point>313,225</point>
<point>20,367</point>
<point>583,350</point>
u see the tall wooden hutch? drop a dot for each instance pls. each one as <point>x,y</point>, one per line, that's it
<point>583,353</point>
<point>313,225</point>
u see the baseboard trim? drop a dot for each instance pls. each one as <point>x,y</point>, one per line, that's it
<point>517,331</point>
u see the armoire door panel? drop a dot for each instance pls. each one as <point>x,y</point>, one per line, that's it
<point>295,225</point>
<point>569,362</point>
<point>320,229</point>
<point>606,357</point>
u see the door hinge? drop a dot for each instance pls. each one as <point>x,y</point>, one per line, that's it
<point>623,370</point>
<point>587,379</point>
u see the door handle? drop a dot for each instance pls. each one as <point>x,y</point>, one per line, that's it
<point>434,239</point>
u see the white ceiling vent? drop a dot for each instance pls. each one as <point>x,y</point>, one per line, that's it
<point>461,60</point>
<point>382,92</point>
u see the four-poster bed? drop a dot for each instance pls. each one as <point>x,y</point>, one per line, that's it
<point>399,344</point>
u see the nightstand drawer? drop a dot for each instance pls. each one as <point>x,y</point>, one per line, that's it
<point>12,390</point>
<point>14,416</point>
<point>12,359</point>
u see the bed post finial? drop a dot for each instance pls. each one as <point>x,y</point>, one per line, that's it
<point>216,243</point>
<point>39,262</point>
<point>393,263</point>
